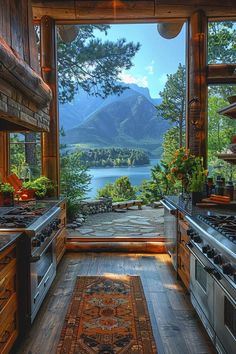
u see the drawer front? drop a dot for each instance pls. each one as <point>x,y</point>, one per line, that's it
<point>60,245</point>
<point>183,236</point>
<point>7,286</point>
<point>7,260</point>
<point>8,326</point>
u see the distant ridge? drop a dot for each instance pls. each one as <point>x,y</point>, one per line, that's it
<point>129,120</point>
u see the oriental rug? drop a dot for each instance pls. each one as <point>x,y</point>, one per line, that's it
<point>107,315</point>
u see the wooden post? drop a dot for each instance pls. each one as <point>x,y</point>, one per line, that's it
<point>50,141</point>
<point>197,114</point>
<point>4,154</point>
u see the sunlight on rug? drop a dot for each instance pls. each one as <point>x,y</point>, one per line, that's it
<point>107,315</point>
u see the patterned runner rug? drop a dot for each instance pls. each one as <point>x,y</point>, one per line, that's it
<point>107,315</point>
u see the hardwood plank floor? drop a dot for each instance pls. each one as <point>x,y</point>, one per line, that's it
<point>176,327</point>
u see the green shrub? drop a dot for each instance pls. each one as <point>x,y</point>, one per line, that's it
<point>120,190</point>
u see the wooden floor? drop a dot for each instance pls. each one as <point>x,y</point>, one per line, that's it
<point>176,327</point>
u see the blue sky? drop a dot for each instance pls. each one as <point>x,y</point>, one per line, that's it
<point>156,58</point>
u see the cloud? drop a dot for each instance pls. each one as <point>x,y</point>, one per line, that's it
<point>130,79</point>
<point>150,68</point>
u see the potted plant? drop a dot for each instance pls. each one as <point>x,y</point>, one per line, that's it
<point>41,186</point>
<point>6,194</point>
<point>188,169</point>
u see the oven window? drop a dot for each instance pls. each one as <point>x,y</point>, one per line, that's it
<point>230,316</point>
<point>44,264</point>
<point>201,275</point>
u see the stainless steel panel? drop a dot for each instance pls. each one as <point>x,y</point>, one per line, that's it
<point>202,288</point>
<point>224,331</point>
<point>170,231</point>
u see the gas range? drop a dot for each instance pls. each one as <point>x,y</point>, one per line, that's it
<point>214,236</point>
<point>212,249</point>
<point>38,220</point>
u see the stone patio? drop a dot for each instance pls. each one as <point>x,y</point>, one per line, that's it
<point>131,223</point>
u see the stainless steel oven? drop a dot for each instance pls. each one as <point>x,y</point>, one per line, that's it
<point>202,292</point>
<point>42,274</point>
<point>225,319</point>
<point>170,230</point>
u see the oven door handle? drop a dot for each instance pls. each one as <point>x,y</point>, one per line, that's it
<point>171,210</point>
<point>189,246</point>
<point>212,273</point>
<point>35,258</point>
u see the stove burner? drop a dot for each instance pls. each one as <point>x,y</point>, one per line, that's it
<point>225,224</point>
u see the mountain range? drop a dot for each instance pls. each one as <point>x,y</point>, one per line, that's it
<point>129,120</point>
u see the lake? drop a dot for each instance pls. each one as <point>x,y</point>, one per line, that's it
<point>101,176</point>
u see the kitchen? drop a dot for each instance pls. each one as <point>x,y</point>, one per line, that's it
<point>33,235</point>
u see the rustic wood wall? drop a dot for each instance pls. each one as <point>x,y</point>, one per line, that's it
<point>15,23</point>
<point>126,10</point>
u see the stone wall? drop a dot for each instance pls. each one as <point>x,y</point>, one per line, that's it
<point>102,205</point>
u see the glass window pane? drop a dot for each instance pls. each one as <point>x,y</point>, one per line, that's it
<point>25,155</point>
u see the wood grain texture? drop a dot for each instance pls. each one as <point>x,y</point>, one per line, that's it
<point>121,10</point>
<point>176,326</point>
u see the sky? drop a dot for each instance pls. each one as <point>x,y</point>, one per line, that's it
<point>156,58</point>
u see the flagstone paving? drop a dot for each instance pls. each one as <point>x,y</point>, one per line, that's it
<point>147,222</point>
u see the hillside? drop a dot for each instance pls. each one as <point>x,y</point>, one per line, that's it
<point>129,121</point>
<point>72,114</point>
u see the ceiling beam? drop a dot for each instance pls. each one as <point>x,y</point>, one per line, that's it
<point>116,11</point>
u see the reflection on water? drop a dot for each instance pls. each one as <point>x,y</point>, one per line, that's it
<point>101,176</point>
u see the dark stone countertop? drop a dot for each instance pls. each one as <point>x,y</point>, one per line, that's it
<point>191,210</point>
<point>7,239</point>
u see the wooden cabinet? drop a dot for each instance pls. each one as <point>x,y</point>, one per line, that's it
<point>8,300</point>
<point>61,236</point>
<point>183,264</point>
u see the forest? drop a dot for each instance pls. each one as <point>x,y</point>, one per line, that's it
<point>114,157</point>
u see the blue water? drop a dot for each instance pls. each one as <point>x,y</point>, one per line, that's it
<point>101,176</point>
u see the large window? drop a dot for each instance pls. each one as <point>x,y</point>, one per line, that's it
<point>25,155</point>
<point>221,50</point>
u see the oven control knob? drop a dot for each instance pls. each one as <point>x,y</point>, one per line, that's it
<point>217,259</point>
<point>197,239</point>
<point>205,248</point>
<point>190,232</point>
<point>42,238</point>
<point>210,253</point>
<point>227,269</point>
<point>36,242</point>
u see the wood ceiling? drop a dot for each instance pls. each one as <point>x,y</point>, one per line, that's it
<point>130,10</point>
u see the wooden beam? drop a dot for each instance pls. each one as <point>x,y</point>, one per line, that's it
<point>197,117</point>
<point>50,141</point>
<point>120,10</point>
<point>4,154</point>
<point>221,74</point>
<point>20,75</point>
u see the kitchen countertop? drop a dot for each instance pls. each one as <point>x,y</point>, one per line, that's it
<point>7,239</point>
<point>191,210</point>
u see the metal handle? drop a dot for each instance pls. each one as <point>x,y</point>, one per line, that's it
<point>172,210</point>
<point>36,296</point>
<point>45,282</point>
<point>211,271</point>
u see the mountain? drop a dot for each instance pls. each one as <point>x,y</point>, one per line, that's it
<point>72,114</point>
<point>128,121</point>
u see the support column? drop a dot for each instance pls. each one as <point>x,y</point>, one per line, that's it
<point>4,154</point>
<point>197,115</point>
<point>50,141</point>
